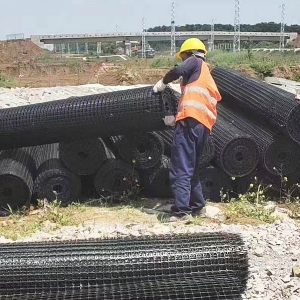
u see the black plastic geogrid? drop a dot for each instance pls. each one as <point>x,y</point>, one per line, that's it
<point>142,151</point>
<point>236,152</point>
<point>83,157</point>
<point>100,115</point>
<point>72,265</point>
<point>187,287</point>
<point>55,182</point>
<point>276,106</point>
<point>155,181</point>
<point>17,172</point>
<point>276,150</point>
<point>115,177</point>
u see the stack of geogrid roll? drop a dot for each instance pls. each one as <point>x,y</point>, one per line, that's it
<point>193,266</point>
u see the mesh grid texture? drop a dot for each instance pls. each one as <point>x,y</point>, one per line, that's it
<point>276,150</point>
<point>265,101</point>
<point>156,181</point>
<point>186,287</point>
<point>83,157</point>
<point>99,115</point>
<point>55,182</point>
<point>143,151</point>
<point>236,152</point>
<point>213,181</point>
<point>115,177</point>
<point>17,172</point>
<point>61,266</point>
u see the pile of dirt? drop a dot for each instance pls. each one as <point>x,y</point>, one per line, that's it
<point>19,51</point>
<point>297,42</point>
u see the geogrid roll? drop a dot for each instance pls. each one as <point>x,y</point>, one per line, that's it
<point>55,182</point>
<point>17,172</point>
<point>142,151</point>
<point>276,106</point>
<point>82,157</point>
<point>107,114</point>
<point>276,150</point>
<point>214,181</point>
<point>208,150</point>
<point>115,177</point>
<point>155,181</point>
<point>236,152</point>
<point>171,287</point>
<point>66,266</point>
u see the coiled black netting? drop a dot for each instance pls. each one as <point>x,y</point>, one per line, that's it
<point>83,157</point>
<point>115,177</point>
<point>276,106</point>
<point>278,153</point>
<point>55,182</point>
<point>143,151</point>
<point>236,152</point>
<point>107,114</point>
<point>215,182</point>
<point>155,181</point>
<point>17,171</point>
<point>70,266</point>
<point>208,150</point>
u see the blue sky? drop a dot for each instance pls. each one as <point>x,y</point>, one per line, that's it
<point>89,16</point>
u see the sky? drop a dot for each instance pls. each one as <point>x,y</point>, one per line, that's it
<point>39,17</point>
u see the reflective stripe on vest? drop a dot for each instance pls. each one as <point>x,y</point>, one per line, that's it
<point>201,91</point>
<point>197,105</point>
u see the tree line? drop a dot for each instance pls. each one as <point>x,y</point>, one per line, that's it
<point>259,27</point>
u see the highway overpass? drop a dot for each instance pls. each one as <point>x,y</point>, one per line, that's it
<point>219,36</point>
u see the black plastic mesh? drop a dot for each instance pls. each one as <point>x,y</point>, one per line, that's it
<point>183,288</point>
<point>17,171</point>
<point>55,182</point>
<point>115,177</point>
<point>207,154</point>
<point>214,181</point>
<point>66,266</point>
<point>276,106</point>
<point>143,151</point>
<point>276,150</point>
<point>155,181</point>
<point>236,152</point>
<point>82,157</point>
<point>100,115</point>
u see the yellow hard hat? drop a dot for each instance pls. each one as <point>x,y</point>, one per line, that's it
<point>191,44</point>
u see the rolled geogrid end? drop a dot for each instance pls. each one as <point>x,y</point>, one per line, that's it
<point>143,151</point>
<point>115,177</point>
<point>214,181</point>
<point>236,152</point>
<point>73,265</point>
<point>55,182</point>
<point>82,157</point>
<point>293,124</point>
<point>16,186</point>
<point>155,181</point>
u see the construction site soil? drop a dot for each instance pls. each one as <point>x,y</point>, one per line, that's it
<point>28,65</point>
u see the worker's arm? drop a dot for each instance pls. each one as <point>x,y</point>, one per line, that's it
<point>186,69</point>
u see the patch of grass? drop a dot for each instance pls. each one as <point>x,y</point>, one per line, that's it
<point>7,82</point>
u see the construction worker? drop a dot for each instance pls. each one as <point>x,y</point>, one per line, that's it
<point>196,115</point>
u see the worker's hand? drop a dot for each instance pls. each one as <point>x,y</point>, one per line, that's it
<point>169,120</point>
<point>159,86</point>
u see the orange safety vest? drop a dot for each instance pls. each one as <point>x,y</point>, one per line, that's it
<point>199,99</point>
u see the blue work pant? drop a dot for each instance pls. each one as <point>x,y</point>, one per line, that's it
<point>188,143</point>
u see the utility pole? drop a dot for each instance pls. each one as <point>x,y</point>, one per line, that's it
<point>212,36</point>
<point>281,45</point>
<point>173,37</point>
<point>237,28</point>
<point>143,39</point>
